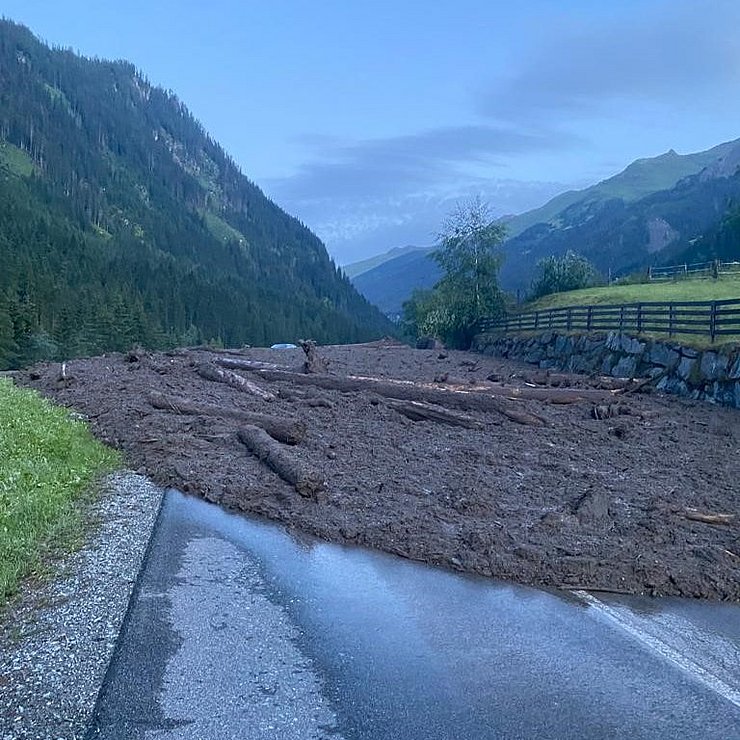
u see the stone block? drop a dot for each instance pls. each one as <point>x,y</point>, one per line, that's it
<point>674,385</point>
<point>608,363</point>
<point>631,346</point>
<point>734,372</point>
<point>686,367</point>
<point>625,368</point>
<point>713,366</point>
<point>663,355</point>
<point>613,341</point>
<point>546,337</point>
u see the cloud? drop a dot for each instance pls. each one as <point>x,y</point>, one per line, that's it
<point>401,165</point>
<point>354,227</point>
<point>613,72</point>
<point>680,55</point>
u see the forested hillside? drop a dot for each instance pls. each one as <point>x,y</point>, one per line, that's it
<point>122,221</point>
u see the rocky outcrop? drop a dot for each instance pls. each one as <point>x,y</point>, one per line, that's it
<point>711,374</point>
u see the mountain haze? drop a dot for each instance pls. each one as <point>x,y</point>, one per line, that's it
<point>122,221</point>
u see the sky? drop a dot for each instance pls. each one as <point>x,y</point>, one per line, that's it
<point>369,120</point>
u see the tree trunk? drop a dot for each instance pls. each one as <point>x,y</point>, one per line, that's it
<point>404,391</point>
<point>211,372</point>
<point>283,430</point>
<point>417,411</point>
<point>306,481</point>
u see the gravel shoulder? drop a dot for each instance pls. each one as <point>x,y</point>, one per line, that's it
<point>57,639</point>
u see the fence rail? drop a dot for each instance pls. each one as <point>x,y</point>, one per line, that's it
<point>708,318</point>
<point>693,270</point>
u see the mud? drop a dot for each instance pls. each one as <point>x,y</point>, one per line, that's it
<point>591,500</point>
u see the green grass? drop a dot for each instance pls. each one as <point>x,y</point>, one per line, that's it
<point>727,287</point>
<point>681,290</point>
<point>49,462</point>
<point>222,230</point>
<point>15,160</point>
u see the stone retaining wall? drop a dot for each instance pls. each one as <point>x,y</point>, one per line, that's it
<point>712,375</point>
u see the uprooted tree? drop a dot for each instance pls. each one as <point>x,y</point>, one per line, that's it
<point>468,289</point>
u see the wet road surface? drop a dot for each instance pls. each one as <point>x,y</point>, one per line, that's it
<point>239,629</point>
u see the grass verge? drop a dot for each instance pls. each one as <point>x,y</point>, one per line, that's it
<point>681,290</point>
<point>48,464</point>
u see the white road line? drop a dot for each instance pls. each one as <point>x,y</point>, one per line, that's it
<point>632,626</point>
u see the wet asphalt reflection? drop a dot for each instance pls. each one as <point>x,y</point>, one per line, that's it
<point>240,629</point>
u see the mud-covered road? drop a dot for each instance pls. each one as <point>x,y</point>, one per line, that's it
<point>626,492</point>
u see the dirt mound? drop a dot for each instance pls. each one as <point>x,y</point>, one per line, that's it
<point>493,469</point>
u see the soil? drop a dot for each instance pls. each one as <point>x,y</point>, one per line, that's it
<point>599,497</point>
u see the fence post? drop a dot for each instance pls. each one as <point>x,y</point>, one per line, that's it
<point>570,318</point>
<point>639,318</point>
<point>588,318</point>
<point>536,320</point>
<point>713,321</point>
<point>671,319</point>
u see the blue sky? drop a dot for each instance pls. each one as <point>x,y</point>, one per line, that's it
<point>368,120</point>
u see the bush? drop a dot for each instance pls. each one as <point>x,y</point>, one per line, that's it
<point>561,274</point>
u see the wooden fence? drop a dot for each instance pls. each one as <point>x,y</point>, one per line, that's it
<point>708,318</point>
<point>696,270</point>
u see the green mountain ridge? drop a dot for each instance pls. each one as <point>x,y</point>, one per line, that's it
<point>640,178</point>
<point>621,236</point>
<point>621,223</point>
<point>122,221</point>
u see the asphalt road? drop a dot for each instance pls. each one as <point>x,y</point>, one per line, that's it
<point>239,629</point>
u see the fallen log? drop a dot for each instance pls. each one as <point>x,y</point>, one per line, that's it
<point>547,394</point>
<point>638,386</point>
<point>407,391</point>
<point>283,430</point>
<point>550,395</point>
<point>418,411</point>
<point>240,364</point>
<point>307,482</point>
<point>707,517</point>
<point>211,372</point>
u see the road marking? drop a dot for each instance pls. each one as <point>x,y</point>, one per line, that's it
<point>633,627</point>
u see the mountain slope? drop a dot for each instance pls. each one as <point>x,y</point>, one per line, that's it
<point>642,177</point>
<point>391,283</point>
<point>622,237</point>
<point>121,220</point>
<point>354,269</point>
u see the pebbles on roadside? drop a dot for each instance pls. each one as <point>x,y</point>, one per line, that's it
<point>57,639</point>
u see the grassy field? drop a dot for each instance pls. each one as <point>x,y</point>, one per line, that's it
<point>682,290</point>
<point>48,464</point>
<point>15,160</point>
